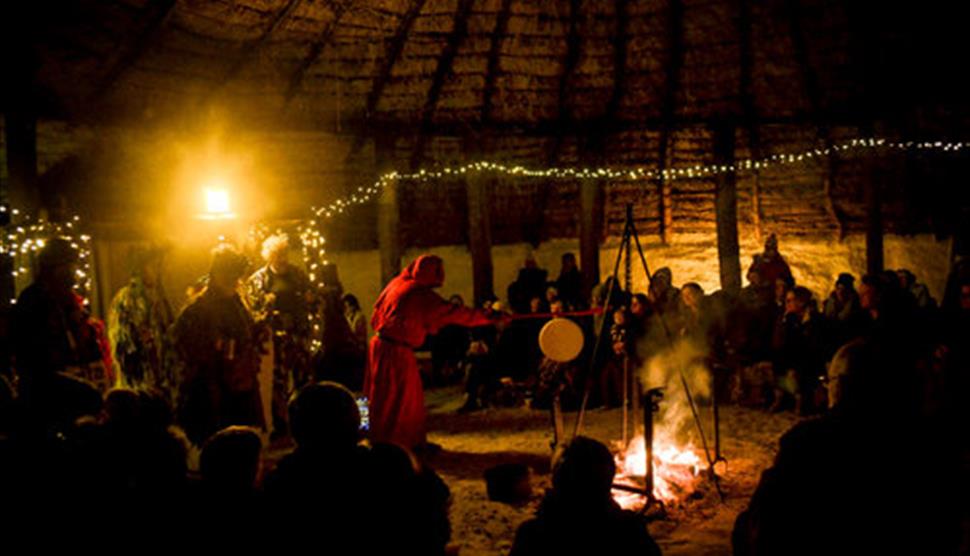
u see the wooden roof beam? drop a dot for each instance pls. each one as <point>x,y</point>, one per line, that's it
<point>675,62</point>
<point>251,49</point>
<point>494,54</point>
<point>316,50</point>
<point>749,111</point>
<point>444,69</point>
<point>391,55</point>
<point>157,14</point>
<point>574,45</point>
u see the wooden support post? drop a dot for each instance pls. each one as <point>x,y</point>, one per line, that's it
<point>666,210</point>
<point>20,131</point>
<point>726,206</point>
<point>479,193</point>
<point>388,214</point>
<point>874,248</point>
<point>590,228</point>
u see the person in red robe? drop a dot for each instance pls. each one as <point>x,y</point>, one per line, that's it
<point>406,311</point>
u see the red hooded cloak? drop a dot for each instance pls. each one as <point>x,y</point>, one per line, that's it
<point>406,311</point>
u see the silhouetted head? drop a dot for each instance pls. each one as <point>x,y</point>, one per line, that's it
<point>57,263</point>
<point>324,415</point>
<point>568,261</point>
<point>227,268</point>
<point>230,460</point>
<point>584,470</point>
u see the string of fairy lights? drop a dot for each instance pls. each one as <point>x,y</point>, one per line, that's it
<point>25,236</point>
<point>313,240</point>
<point>365,193</point>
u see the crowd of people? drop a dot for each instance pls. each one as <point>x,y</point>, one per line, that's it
<point>162,407</point>
<point>768,346</point>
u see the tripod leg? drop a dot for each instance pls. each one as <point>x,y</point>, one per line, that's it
<point>626,397</point>
<point>600,333</point>
<point>557,424</point>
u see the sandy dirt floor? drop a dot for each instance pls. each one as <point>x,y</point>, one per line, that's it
<point>471,443</point>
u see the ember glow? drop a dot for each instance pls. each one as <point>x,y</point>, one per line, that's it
<point>676,462</point>
<point>675,469</point>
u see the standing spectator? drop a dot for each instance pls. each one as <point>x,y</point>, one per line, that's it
<point>771,264</point>
<point>531,282</point>
<point>356,319</point>
<point>570,283</point>
<point>138,325</point>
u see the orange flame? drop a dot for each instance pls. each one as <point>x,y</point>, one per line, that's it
<point>674,470</point>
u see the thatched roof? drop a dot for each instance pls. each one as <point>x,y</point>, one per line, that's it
<point>636,82</point>
<point>462,64</point>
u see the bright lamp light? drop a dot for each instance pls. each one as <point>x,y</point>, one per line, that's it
<point>217,205</point>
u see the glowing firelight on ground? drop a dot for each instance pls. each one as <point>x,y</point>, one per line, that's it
<point>674,471</point>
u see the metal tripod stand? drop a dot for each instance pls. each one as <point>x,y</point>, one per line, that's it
<point>630,237</point>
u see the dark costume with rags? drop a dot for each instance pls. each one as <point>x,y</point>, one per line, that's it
<point>280,299</point>
<point>216,342</point>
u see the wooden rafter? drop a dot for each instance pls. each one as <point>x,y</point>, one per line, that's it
<point>391,55</point>
<point>574,45</point>
<point>494,54</point>
<point>675,60</point>
<point>251,49</point>
<point>749,113</point>
<point>621,44</point>
<point>444,69</point>
<point>813,91</point>
<point>316,50</point>
<point>153,21</point>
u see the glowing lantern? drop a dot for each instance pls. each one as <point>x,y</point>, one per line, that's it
<point>217,206</point>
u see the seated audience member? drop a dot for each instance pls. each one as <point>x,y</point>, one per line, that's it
<point>142,444</point>
<point>325,424</point>
<point>799,360</point>
<point>663,295</point>
<point>229,465</point>
<point>448,349</point>
<point>481,360</point>
<point>611,376</point>
<point>825,494</point>
<point>844,312</point>
<point>412,515</point>
<point>781,288</point>
<point>578,515</point>
<point>921,293</point>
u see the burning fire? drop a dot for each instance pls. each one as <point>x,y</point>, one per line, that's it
<point>674,470</point>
